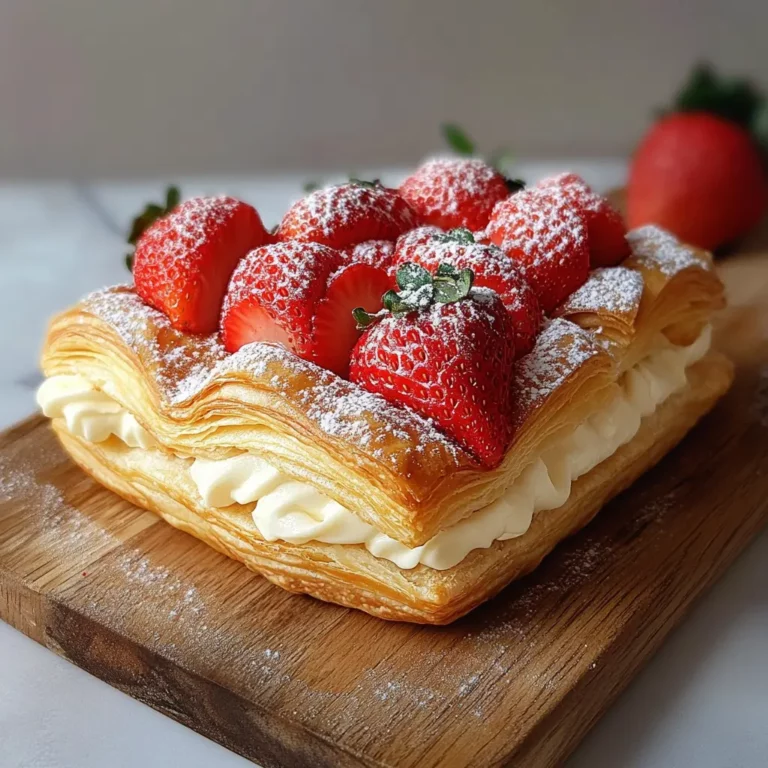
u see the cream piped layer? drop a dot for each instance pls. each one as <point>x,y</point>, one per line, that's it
<point>89,413</point>
<point>296,512</point>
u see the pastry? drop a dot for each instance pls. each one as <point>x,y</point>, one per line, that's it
<point>406,456</point>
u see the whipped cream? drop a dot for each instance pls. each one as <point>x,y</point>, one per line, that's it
<point>296,512</point>
<point>90,413</point>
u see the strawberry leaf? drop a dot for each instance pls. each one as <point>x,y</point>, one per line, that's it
<point>363,318</point>
<point>457,139</point>
<point>458,235</point>
<point>514,185</point>
<point>411,277</point>
<point>151,213</point>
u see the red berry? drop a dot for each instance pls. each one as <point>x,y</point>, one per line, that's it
<point>452,363</point>
<point>698,176</point>
<point>605,227</point>
<point>451,193</point>
<point>546,237</point>
<point>492,269</point>
<point>408,242</point>
<point>183,262</point>
<point>300,295</point>
<point>348,214</point>
<point>376,253</point>
<point>273,296</point>
<point>335,330</point>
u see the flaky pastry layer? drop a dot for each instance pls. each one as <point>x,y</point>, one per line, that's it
<point>396,470</point>
<point>349,574</point>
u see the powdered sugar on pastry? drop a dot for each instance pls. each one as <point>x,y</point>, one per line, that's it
<point>655,248</point>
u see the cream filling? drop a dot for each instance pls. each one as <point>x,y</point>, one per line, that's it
<point>296,512</point>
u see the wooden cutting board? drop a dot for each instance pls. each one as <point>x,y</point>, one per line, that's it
<point>287,681</point>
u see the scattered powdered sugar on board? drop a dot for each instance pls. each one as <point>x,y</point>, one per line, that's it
<point>655,248</point>
<point>615,290</point>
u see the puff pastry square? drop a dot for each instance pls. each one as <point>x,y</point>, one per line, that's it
<point>326,489</point>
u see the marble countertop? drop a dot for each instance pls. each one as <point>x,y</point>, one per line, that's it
<point>702,700</point>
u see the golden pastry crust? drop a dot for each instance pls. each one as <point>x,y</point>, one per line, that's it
<point>349,574</point>
<point>394,468</point>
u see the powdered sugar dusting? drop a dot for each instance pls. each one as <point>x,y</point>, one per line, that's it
<point>613,290</point>
<point>561,349</point>
<point>655,248</point>
<point>332,215</point>
<point>455,192</point>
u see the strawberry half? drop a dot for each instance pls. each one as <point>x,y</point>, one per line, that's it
<point>451,193</point>
<point>546,237</point>
<point>348,214</point>
<point>300,295</point>
<point>605,227</point>
<point>446,350</point>
<point>335,329</point>
<point>184,260</point>
<point>492,269</point>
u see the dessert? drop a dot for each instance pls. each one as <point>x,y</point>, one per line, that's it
<point>402,430</point>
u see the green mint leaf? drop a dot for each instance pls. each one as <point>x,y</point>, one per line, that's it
<point>447,270</point>
<point>457,139</point>
<point>464,282</point>
<point>412,276</point>
<point>446,291</point>
<point>458,235</point>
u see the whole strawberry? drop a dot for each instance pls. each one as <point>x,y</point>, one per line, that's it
<point>545,235</point>
<point>491,267</point>
<point>699,173</point>
<point>455,192</point>
<point>447,351</point>
<point>348,214</point>
<point>183,261</point>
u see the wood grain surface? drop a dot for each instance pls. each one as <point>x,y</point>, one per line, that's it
<point>289,681</point>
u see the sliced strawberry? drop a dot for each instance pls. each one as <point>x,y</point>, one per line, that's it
<point>335,329</point>
<point>347,214</point>
<point>183,262</point>
<point>455,192</point>
<point>273,296</point>
<point>605,227</point>
<point>546,237</point>
<point>492,269</point>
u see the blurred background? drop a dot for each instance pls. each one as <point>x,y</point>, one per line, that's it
<point>100,88</point>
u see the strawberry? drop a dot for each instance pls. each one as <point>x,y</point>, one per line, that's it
<point>348,214</point>
<point>446,350</point>
<point>377,253</point>
<point>605,227</point>
<point>699,173</point>
<point>452,193</point>
<point>300,295</point>
<point>698,176</point>
<point>407,243</point>
<point>492,269</point>
<point>546,237</point>
<point>335,329</point>
<point>184,260</point>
